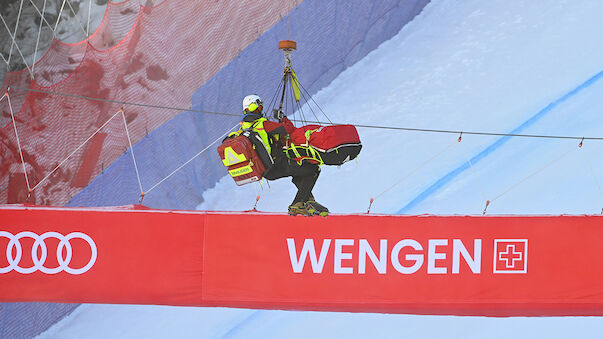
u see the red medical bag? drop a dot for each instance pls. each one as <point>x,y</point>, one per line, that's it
<point>243,163</point>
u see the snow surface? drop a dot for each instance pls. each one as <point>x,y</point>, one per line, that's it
<point>531,67</point>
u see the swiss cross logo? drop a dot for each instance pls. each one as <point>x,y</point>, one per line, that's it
<point>510,255</point>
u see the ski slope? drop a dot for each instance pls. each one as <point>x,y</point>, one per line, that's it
<point>529,67</point>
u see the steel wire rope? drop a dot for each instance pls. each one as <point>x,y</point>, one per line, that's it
<point>409,129</point>
<point>592,172</point>
<point>303,95</point>
<point>191,159</point>
<point>4,59</point>
<point>317,105</point>
<point>78,20</point>
<point>512,187</point>
<point>273,101</point>
<point>12,115</point>
<point>33,62</point>
<point>125,102</point>
<point>431,130</point>
<point>59,16</point>
<point>288,101</point>
<point>289,97</point>
<point>74,151</point>
<point>296,109</point>
<point>364,126</point>
<point>14,42</point>
<point>270,106</point>
<point>364,184</point>
<point>416,169</point>
<point>282,85</point>
<point>260,187</point>
<point>309,105</point>
<point>293,107</point>
<point>286,92</point>
<point>132,151</point>
<point>479,183</point>
<point>299,109</point>
<point>289,9</point>
<point>43,18</point>
<point>88,24</point>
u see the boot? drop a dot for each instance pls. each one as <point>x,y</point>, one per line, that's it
<point>300,208</point>
<point>317,208</point>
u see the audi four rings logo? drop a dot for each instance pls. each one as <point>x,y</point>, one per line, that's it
<point>38,261</point>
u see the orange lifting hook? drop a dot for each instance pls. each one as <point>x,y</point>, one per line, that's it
<point>287,45</point>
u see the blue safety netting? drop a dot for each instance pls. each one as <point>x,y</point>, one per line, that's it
<point>331,36</point>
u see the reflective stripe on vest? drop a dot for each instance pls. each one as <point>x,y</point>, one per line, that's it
<point>258,127</point>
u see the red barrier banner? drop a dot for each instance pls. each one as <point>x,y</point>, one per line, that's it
<point>121,256</point>
<point>460,265</point>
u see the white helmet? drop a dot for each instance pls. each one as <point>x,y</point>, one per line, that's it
<point>252,99</point>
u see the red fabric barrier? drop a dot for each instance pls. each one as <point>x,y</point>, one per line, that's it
<point>493,266</point>
<point>143,257</point>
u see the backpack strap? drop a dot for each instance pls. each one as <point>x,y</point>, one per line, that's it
<point>310,151</point>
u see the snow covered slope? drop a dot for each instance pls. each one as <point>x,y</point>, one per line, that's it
<point>529,67</point>
<point>470,67</point>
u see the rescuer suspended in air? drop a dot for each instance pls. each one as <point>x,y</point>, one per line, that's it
<point>274,150</point>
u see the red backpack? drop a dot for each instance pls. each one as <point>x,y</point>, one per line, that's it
<point>243,163</point>
<point>329,145</point>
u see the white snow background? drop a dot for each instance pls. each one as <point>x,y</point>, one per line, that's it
<point>522,66</point>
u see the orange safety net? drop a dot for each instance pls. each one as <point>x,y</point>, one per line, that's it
<point>157,54</point>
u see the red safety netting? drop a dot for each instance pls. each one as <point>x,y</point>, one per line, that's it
<point>157,54</point>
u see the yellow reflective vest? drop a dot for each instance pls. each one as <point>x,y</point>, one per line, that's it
<point>258,127</point>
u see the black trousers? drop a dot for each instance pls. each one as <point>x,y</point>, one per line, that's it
<point>303,176</point>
